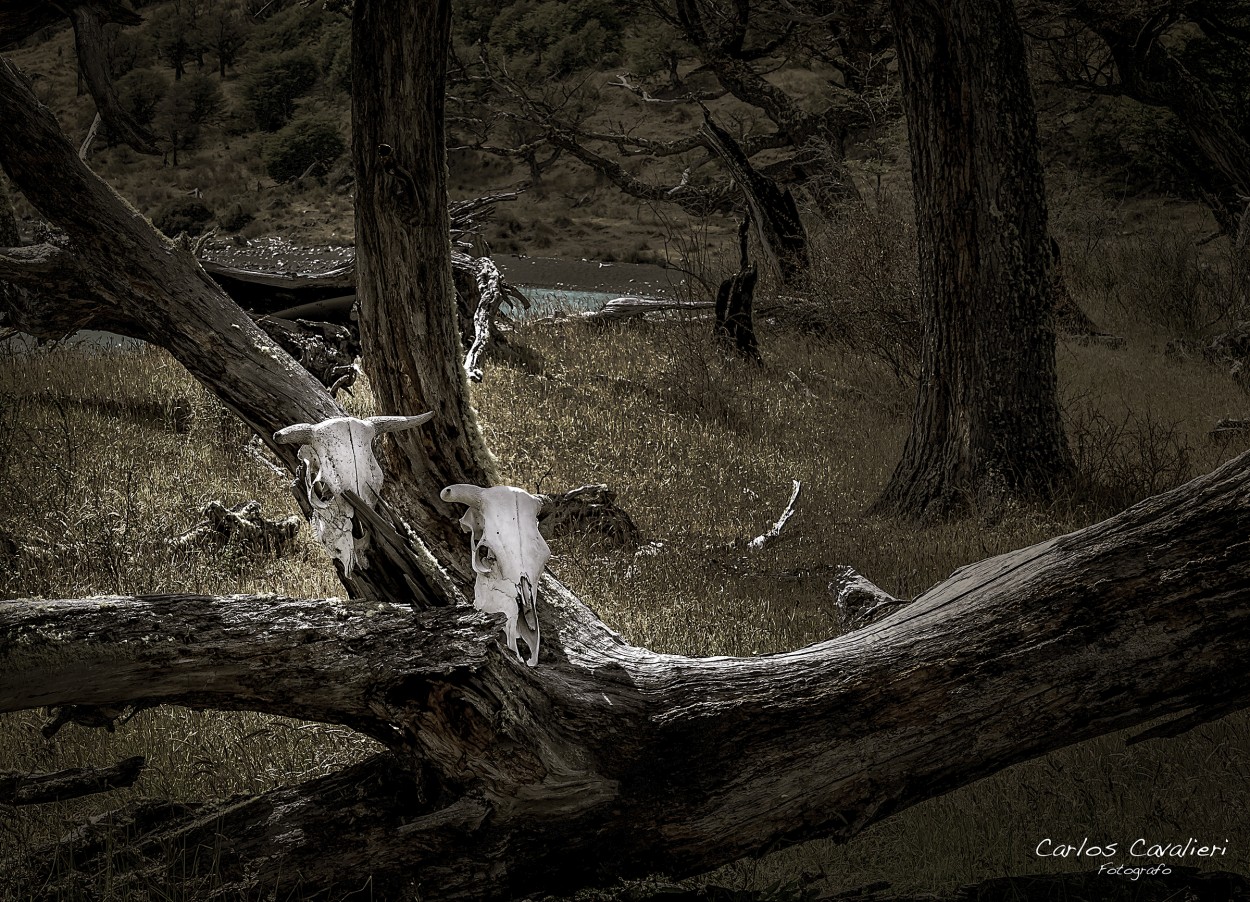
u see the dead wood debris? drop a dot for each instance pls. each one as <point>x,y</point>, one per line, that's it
<point>35,789</point>
<point>588,510</point>
<point>327,350</point>
<point>860,601</point>
<point>242,525</point>
<point>759,543</point>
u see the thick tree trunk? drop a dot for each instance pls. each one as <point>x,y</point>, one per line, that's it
<point>987,423</point>
<point>403,264</point>
<point>608,761</point>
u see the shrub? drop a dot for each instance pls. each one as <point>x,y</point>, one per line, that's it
<point>184,214</point>
<point>546,38</point>
<point>307,140</point>
<point>238,218</point>
<point>141,92</point>
<point>270,91</point>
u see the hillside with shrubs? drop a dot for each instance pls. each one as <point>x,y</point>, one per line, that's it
<point>250,104</point>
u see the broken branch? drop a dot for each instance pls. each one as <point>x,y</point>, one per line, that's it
<point>759,543</point>
<point>37,789</point>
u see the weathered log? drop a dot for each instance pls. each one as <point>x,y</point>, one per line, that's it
<point>287,294</point>
<point>629,307</point>
<point>616,761</point>
<point>1228,427</point>
<point>37,789</point>
<point>859,600</point>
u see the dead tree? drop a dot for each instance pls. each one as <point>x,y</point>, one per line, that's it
<point>735,323</point>
<point>604,760</point>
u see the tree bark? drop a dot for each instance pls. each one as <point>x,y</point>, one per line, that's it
<point>735,322</point>
<point>987,423</point>
<point>403,257</point>
<point>770,207</point>
<point>610,761</point>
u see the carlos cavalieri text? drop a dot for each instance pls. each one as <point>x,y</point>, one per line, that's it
<point>1138,848</point>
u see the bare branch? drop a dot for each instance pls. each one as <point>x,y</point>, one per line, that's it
<point>759,543</point>
<point>85,150</point>
<point>623,81</point>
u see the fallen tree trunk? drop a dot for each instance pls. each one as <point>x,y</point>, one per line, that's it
<point>629,307</point>
<point>39,789</point>
<point>614,761</point>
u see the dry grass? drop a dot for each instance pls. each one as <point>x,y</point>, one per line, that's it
<point>702,451</point>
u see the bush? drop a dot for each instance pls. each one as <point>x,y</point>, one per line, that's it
<point>305,141</point>
<point>270,91</point>
<point>141,92</point>
<point>185,214</point>
<point>545,38</point>
<point>237,218</point>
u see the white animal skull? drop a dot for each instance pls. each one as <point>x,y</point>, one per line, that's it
<point>508,557</point>
<point>338,456</point>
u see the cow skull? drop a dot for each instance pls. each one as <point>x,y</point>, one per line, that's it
<point>508,557</point>
<point>338,457</point>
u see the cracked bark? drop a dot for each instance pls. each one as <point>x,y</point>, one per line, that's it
<point>609,760</point>
<point>986,426</point>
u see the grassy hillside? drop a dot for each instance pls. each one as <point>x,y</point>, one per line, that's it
<point>572,214</point>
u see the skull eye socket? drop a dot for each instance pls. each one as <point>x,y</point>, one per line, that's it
<point>485,557</point>
<point>321,490</point>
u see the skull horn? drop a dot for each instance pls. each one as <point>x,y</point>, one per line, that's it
<point>461,493</point>
<point>299,434</point>
<point>394,424</point>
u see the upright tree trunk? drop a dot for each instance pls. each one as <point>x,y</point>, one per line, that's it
<point>403,260</point>
<point>986,423</point>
